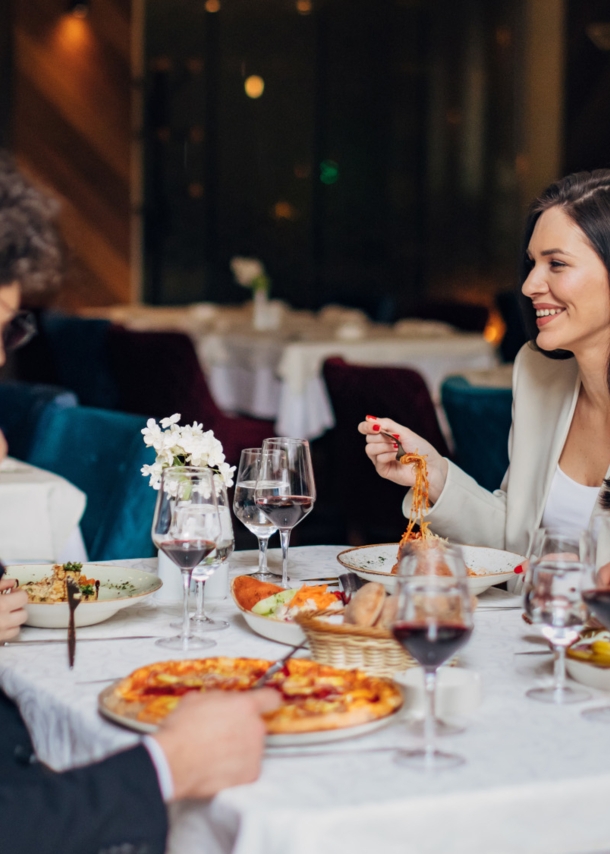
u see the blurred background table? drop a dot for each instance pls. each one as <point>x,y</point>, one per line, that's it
<point>39,515</point>
<point>277,373</point>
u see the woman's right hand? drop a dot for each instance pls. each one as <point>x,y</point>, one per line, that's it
<point>12,609</point>
<point>382,453</point>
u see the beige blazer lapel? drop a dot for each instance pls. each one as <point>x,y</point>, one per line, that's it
<point>545,392</point>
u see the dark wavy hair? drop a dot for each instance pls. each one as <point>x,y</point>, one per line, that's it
<point>30,247</point>
<point>585,198</point>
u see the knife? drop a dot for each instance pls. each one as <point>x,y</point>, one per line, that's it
<point>271,671</point>
<point>82,640</point>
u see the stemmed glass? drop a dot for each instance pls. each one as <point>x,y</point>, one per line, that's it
<point>552,599</point>
<point>596,588</point>
<point>285,488</point>
<point>433,620</point>
<point>244,507</point>
<point>223,551</point>
<point>186,527</point>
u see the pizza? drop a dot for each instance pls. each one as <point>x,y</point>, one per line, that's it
<point>315,696</point>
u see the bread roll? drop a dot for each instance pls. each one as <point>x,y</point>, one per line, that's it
<point>365,605</point>
<point>388,613</point>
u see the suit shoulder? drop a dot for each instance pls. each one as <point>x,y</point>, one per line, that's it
<point>534,369</point>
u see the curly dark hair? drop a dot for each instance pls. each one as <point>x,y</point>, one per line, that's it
<point>30,247</point>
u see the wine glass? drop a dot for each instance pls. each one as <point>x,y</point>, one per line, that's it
<point>223,551</point>
<point>186,527</point>
<point>244,507</point>
<point>596,587</point>
<point>552,599</point>
<point>285,489</point>
<point>433,620</point>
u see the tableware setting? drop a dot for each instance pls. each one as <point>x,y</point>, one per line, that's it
<point>486,566</point>
<point>120,587</point>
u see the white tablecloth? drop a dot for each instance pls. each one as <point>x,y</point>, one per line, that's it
<point>39,515</point>
<point>537,778</point>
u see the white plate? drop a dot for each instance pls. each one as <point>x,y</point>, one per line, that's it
<point>374,563</point>
<point>297,739</point>
<point>139,586</point>
<point>276,630</point>
<point>589,674</point>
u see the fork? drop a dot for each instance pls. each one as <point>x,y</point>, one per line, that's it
<point>74,599</point>
<point>400,452</point>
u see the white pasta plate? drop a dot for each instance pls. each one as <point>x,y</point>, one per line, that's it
<point>280,631</point>
<point>297,739</point>
<point>374,563</point>
<point>120,587</point>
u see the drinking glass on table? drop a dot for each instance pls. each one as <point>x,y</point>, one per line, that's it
<point>552,599</point>
<point>246,510</point>
<point>596,587</point>
<point>223,551</point>
<point>285,488</point>
<point>186,527</point>
<point>433,620</point>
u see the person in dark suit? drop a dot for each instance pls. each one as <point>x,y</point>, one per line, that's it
<point>212,741</point>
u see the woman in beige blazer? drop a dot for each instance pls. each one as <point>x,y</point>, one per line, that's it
<point>559,446</point>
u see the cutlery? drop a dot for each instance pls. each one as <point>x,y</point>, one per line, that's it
<point>400,451</point>
<point>99,681</point>
<point>271,671</point>
<point>536,652</point>
<point>297,754</point>
<point>2,569</point>
<point>349,583</point>
<point>82,640</point>
<point>74,599</point>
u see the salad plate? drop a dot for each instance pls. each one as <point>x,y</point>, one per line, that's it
<point>486,566</point>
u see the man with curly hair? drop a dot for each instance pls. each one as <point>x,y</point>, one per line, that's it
<point>210,742</point>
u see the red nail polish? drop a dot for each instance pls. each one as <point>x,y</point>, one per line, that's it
<point>376,427</point>
<point>518,570</point>
<point>396,435</point>
<point>395,445</point>
<point>371,418</point>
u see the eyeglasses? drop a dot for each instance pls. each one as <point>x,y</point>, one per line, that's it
<point>20,328</point>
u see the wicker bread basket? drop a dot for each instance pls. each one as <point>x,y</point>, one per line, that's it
<point>373,650</point>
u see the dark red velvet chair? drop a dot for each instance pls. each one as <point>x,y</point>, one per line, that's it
<point>158,373</point>
<point>371,506</point>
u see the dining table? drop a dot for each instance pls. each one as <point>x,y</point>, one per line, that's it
<point>39,515</point>
<point>276,373</point>
<point>536,778</point>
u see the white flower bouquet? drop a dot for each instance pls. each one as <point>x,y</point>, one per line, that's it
<point>250,273</point>
<point>188,445</point>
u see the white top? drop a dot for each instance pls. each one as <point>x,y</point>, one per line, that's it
<point>569,504</point>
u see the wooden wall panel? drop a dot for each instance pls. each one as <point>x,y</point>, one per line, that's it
<point>72,131</point>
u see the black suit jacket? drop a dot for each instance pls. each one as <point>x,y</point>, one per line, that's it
<point>110,807</point>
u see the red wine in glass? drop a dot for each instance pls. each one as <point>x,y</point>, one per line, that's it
<point>431,643</point>
<point>285,511</point>
<point>598,602</point>
<point>187,554</point>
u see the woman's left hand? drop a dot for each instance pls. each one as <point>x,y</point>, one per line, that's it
<point>12,609</point>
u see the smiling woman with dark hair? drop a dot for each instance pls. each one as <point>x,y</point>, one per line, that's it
<point>559,445</point>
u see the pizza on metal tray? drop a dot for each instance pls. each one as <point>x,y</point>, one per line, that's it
<point>315,696</point>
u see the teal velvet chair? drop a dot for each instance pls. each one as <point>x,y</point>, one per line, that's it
<point>25,411</point>
<point>102,452</point>
<point>480,419</point>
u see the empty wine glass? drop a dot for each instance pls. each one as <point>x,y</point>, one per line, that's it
<point>552,599</point>
<point>186,527</point>
<point>285,488</point>
<point>223,551</point>
<point>433,620</point>
<point>246,510</point>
